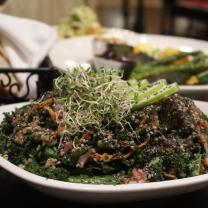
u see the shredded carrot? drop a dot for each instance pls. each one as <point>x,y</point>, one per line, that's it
<point>84,158</point>
<point>128,154</point>
<point>85,135</point>
<point>143,121</point>
<point>168,175</point>
<point>101,157</point>
<point>54,135</point>
<point>203,124</point>
<point>142,144</point>
<point>205,161</point>
<point>155,120</point>
<point>132,151</point>
<point>45,103</point>
<point>105,156</point>
<point>51,113</point>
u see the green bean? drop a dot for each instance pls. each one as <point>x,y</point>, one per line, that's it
<point>173,58</point>
<point>198,64</point>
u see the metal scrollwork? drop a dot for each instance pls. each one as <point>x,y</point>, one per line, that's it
<point>27,86</point>
<point>9,87</point>
<point>2,82</point>
<point>11,91</point>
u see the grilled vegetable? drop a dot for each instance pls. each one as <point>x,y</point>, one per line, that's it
<point>197,63</point>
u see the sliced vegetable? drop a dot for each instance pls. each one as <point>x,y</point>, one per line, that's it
<point>134,84</point>
<point>137,87</point>
<point>143,83</point>
<point>151,89</point>
<point>156,97</point>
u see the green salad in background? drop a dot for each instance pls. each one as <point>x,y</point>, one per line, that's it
<point>81,21</point>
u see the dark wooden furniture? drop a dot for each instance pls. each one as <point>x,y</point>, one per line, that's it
<point>191,9</point>
<point>139,18</point>
<point>139,25</point>
<point>2,2</point>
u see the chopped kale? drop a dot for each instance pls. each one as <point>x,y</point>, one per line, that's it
<point>103,141</point>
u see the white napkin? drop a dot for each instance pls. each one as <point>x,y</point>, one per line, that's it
<point>26,41</point>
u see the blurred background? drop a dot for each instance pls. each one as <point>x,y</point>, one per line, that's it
<point>27,45</point>
<point>185,17</point>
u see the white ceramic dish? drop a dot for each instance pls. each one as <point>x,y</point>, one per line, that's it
<point>80,49</point>
<point>106,193</point>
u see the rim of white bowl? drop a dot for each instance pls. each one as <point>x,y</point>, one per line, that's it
<point>95,188</point>
<point>42,181</point>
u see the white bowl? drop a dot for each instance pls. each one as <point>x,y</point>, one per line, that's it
<point>106,193</point>
<point>80,49</point>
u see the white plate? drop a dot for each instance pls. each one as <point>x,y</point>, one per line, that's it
<point>106,193</point>
<point>80,49</point>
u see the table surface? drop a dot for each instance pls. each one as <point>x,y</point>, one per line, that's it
<point>14,191</point>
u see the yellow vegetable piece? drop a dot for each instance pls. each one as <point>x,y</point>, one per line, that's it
<point>169,52</point>
<point>143,47</point>
<point>137,48</point>
<point>192,80</point>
